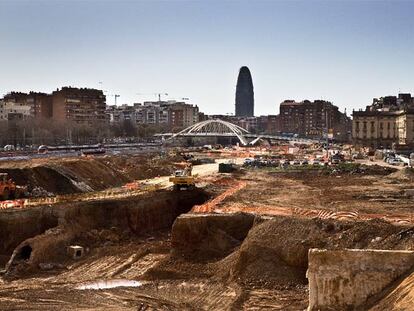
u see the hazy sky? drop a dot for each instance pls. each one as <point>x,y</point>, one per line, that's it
<point>344,51</point>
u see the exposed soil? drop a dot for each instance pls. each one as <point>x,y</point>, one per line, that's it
<point>74,175</point>
<point>17,226</point>
<point>368,194</point>
<point>239,251</point>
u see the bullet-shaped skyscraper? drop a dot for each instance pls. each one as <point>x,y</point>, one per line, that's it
<point>244,94</point>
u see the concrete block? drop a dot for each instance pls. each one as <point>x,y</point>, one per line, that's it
<point>75,251</point>
<point>344,279</point>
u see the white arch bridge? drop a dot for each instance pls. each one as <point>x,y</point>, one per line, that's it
<point>220,128</point>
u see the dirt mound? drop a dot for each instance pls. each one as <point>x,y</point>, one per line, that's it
<point>277,250</point>
<point>44,177</point>
<point>75,175</point>
<point>400,298</point>
<point>407,173</point>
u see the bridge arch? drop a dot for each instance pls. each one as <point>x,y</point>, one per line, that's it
<point>214,127</point>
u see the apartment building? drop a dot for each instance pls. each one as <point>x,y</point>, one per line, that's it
<point>269,124</point>
<point>182,115</point>
<point>171,114</point>
<point>392,103</point>
<point>155,113</point>
<point>314,119</point>
<point>291,117</point>
<point>40,104</point>
<point>79,105</point>
<point>11,111</point>
<point>266,124</point>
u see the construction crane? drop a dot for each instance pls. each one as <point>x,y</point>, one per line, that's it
<point>115,97</point>
<point>156,94</point>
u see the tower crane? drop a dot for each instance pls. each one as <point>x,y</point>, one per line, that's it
<point>156,94</point>
<point>115,97</point>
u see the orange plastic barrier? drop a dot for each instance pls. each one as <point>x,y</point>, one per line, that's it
<point>210,205</point>
<point>11,204</point>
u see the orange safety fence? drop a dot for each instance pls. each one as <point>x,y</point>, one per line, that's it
<point>132,185</point>
<point>12,204</point>
<point>209,206</point>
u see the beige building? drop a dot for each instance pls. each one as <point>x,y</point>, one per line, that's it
<point>383,129</point>
<point>405,127</point>
<point>40,103</point>
<point>14,111</point>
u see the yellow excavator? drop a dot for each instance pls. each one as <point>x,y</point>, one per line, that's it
<point>8,188</point>
<point>183,178</point>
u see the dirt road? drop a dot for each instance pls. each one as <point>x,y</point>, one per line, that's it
<point>198,170</point>
<point>380,163</point>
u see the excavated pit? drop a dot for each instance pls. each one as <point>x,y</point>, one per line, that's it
<point>17,226</point>
<point>72,222</point>
<point>248,248</point>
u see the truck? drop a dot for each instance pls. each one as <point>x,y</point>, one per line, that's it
<point>8,188</point>
<point>183,179</point>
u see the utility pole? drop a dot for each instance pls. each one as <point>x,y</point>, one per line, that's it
<point>326,125</point>
<point>24,137</point>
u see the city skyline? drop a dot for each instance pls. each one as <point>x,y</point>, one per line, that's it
<point>346,53</point>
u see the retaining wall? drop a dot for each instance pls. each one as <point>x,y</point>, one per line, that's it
<point>345,279</point>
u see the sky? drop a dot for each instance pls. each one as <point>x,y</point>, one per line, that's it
<point>347,52</point>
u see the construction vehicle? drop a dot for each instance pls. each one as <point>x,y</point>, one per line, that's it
<point>8,189</point>
<point>183,179</point>
<point>227,167</point>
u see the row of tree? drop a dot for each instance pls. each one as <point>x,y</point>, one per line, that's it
<point>34,132</point>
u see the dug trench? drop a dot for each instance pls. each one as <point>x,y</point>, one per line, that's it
<point>33,237</point>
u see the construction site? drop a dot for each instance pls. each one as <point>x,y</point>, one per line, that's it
<point>236,228</point>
